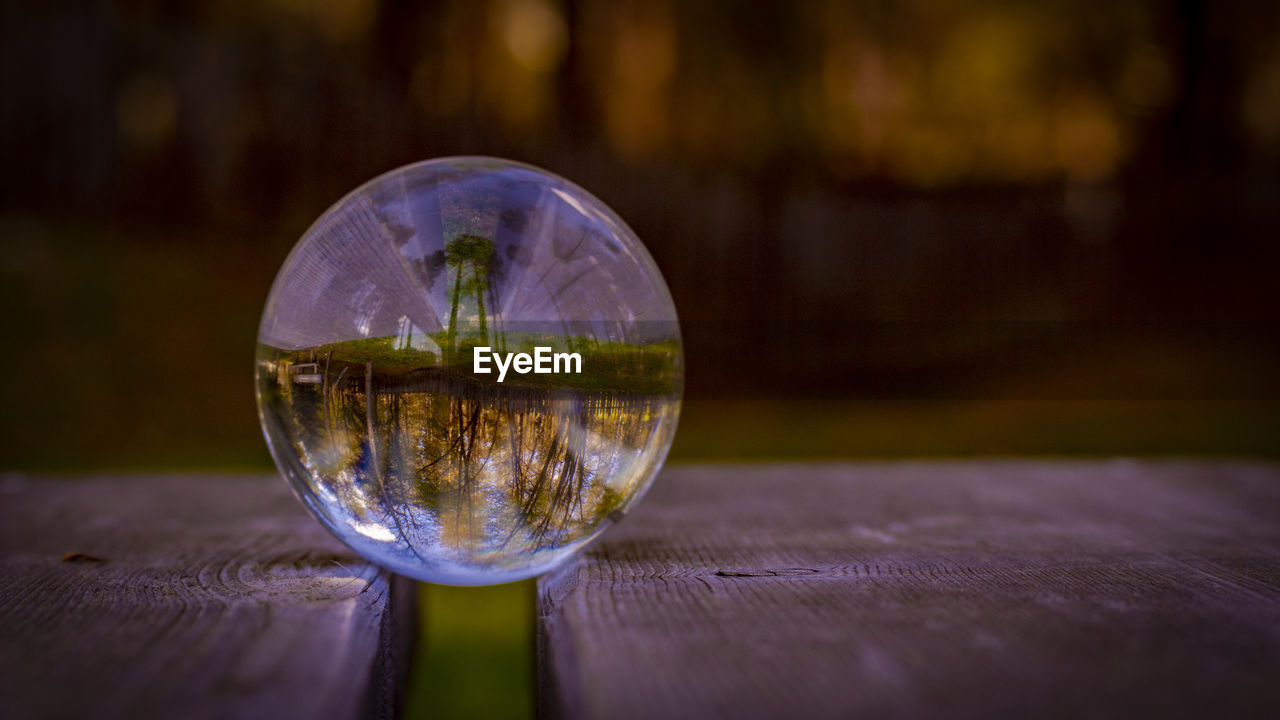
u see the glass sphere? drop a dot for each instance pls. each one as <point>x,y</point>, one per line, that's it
<point>467,368</point>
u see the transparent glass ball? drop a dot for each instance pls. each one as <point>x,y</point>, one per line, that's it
<point>468,368</point>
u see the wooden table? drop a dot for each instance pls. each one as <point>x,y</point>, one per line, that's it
<point>927,590</point>
<point>959,589</point>
<point>188,596</point>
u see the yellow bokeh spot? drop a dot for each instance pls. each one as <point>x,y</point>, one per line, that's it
<point>1146,83</point>
<point>1261,108</point>
<point>534,34</point>
<point>1087,142</point>
<point>147,110</point>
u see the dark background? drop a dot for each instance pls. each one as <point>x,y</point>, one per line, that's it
<point>918,228</point>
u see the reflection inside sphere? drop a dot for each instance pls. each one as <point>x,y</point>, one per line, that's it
<point>367,384</point>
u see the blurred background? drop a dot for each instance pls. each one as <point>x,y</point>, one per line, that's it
<point>926,228</point>
<point>923,228</point>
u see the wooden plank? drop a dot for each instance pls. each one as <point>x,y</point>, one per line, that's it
<point>189,596</point>
<point>907,590</point>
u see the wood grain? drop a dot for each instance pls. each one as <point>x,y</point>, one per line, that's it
<point>908,590</point>
<point>188,597</point>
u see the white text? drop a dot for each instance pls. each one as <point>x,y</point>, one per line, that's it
<point>542,362</point>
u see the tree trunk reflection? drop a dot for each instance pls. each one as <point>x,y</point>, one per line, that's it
<point>478,469</point>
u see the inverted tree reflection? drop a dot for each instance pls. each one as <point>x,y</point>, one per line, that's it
<point>483,470</point>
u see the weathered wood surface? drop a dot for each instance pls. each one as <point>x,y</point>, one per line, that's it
<point>188,597</point>
<point>1006,589</point>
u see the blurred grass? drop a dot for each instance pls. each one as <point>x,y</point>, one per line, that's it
<point>764,429</point>
<point>129,348</point>
<point>475,653</point>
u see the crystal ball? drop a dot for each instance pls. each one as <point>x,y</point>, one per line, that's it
<point>468,368</point>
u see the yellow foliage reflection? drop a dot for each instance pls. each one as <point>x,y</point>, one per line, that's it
<point>462,471</point>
